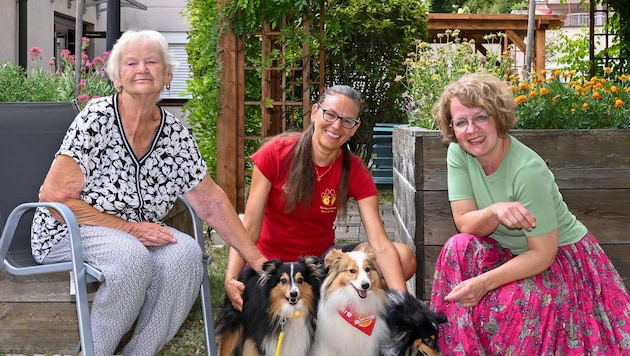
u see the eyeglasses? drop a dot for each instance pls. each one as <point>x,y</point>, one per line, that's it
<point>331,116</point>
<point>479,121</point>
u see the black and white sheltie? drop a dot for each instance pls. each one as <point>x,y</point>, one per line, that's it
<point>413,327</point>
<point>352,306</point>
<point>279,308</point>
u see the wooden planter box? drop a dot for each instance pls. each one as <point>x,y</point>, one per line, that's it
<point>592,169</point>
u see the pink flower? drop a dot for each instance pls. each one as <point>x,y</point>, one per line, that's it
<point>35,53</point>
<point>82,83</point>
<point>98,61</point>
<point>85,42</point>
<point>83,98</point>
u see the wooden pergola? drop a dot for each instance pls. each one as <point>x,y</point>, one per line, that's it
<point>476,26</point>
<point>231,122</point>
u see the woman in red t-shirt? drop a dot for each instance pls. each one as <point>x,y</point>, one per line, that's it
<point>299,184</point>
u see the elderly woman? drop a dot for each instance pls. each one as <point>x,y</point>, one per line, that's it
<point>120,168</point>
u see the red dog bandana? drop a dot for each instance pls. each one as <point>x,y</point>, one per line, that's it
<point>363,322</point>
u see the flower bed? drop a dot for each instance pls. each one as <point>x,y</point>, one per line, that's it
<point>56,82</point>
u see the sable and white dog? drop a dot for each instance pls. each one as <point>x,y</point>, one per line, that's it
<point>353,302</point>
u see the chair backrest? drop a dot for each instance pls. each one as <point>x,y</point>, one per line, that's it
<point>30,135</point>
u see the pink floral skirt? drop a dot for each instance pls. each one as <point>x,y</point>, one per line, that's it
<point>578,306</point>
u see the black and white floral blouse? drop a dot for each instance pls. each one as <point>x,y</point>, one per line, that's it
<point>116,181</point>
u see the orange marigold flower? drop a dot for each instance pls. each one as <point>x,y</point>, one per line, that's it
<point>554,99</point>
<point>557,72</point>
<point>573,111</point>
<point>623,77</point>
<point>544,91</point>
<point>597,95</point>
<point>607,70</point>
<point>513,87</point>
<point>520,99</point>
<point>585,106</point>
<point>533,94</point>
<point>619,103</point>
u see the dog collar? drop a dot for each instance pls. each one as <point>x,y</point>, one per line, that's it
<point>364,322</point>
<point>296,314</point>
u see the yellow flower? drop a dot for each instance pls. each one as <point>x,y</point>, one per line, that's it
<point>585,106</point>
<point>614,89</point>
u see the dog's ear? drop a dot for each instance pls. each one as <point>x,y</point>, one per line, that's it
<point>314,266</point>
<point>440,318</point>
<point>271,265</point>
<point>333,257</point>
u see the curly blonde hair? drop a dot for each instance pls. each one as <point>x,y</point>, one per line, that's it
<point>477,90</point>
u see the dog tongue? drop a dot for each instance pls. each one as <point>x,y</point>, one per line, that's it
<point>362,293</point>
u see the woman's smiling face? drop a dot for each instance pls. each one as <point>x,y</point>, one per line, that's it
<point>333,135</point>
<point>476,136</point>
<point>142,70</point>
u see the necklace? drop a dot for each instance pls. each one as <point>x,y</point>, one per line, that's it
<point>319,176</point>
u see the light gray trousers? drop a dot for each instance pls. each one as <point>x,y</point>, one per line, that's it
<point>156,286</point>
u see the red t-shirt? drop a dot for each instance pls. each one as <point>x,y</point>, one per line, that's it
<point>306,230</point>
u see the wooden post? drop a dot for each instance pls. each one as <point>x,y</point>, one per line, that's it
<point>230,122</point>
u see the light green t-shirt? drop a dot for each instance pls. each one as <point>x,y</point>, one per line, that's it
<point>522,176</point>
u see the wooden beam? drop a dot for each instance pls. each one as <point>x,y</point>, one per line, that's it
<point>230,121</point>
<point>490,22</point>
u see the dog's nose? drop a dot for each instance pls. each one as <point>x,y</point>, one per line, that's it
<point>293,294</point>
<point>365,285</point>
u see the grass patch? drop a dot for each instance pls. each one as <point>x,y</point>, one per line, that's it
<point>190,339</point>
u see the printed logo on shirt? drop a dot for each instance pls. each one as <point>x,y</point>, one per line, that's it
<point>329,198</point>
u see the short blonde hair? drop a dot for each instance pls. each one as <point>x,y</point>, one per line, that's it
<point>482,90</point>
<point>138,38</point>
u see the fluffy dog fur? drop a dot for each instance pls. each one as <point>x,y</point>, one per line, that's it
<point>413,327</point>
<point>281,299</point>
<point>351,314</point>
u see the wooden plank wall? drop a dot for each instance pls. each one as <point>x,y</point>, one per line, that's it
<point>591,168</point>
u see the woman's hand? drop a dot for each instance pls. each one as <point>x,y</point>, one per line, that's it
<point>234,290</point>
<point>468,293</point>
<point>514,215</point>
<point>151,234</point>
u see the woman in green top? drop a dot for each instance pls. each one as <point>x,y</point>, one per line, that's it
<point>523,276</point>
